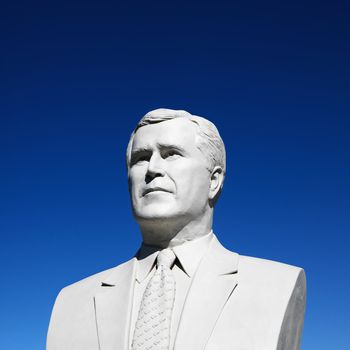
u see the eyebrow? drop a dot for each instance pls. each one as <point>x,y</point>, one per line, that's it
<point>140,150</point>
<point>160,146</point>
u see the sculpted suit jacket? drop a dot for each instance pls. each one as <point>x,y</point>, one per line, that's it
<point>234,303</point>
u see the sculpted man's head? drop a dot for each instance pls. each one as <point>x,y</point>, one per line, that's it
<point>176,168</point>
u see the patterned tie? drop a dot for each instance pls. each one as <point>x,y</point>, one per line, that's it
<point>152,330</point>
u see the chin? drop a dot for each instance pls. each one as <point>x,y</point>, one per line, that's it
<point>156,212</point>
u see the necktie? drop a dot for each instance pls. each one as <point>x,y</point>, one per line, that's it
<point>152,330</point>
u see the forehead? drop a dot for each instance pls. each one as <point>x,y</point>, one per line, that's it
<point>178,131</point>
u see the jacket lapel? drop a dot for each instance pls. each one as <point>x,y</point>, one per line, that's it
<point>212,286</point>
<point>113,304</point>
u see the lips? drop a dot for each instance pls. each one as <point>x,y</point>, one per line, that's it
<point>154,189</point>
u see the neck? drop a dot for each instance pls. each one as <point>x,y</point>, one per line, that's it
<point>166,233</point>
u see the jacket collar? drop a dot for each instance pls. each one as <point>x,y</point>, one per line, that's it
<point>113,304</point>
<point>212,287</point>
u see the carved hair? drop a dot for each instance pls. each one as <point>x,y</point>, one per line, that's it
<point>208,141</point>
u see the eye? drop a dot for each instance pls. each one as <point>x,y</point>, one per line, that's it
<point>142,158</point>
<point>139,157</point>
<point>171,153</point>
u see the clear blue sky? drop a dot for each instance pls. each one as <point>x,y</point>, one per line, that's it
<point>76,77</point>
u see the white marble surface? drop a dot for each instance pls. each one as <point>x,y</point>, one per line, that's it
<point>176,170</point>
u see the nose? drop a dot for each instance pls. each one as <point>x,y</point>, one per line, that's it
<point>155,168</point>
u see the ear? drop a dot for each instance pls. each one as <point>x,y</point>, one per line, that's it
<point>216,183</point>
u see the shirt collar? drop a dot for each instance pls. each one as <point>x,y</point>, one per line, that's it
<point>189,254</point>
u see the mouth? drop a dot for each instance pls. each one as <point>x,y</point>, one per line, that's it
<point>154,189</point>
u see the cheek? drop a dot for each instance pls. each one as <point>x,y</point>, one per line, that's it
<point>193,183</point>
<point>136,177</point>
<point>134,189</point>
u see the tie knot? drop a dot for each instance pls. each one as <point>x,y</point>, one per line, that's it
<point>166,257</point>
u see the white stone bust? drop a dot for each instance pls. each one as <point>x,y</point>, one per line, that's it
<point>219,299</point>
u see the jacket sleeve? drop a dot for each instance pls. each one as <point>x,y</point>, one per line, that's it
<point>54,326</point>
<point>292,325</point>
